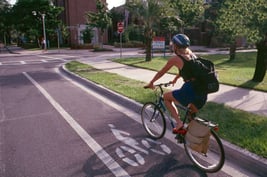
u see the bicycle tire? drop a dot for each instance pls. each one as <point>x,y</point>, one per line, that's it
<point>153,120</point>
<point>213,160</point>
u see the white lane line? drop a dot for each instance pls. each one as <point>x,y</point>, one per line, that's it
<point>62,59</point>
<point>227,168</point>
<point>114,167</point>
<point>0,63</point>
<point>49,57</point>
<point>23,62</point>
<point>44,61</point>
<point>68,56</point>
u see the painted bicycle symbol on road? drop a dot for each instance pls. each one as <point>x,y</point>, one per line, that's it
<point>132,151</point>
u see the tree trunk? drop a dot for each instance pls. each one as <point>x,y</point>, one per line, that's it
<point>101,39</point>
<point>148,43</point>
<point>232,51</point>
<point>148,50</point>
<point>261,63</point>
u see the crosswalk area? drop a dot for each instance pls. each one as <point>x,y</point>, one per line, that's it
<point>38,59</point>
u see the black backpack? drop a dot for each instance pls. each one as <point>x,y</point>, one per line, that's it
<point>203,71</point>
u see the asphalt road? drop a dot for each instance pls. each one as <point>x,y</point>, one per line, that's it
<point>52,126</point>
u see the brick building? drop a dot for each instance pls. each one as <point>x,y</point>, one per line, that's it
<point>74,18</point>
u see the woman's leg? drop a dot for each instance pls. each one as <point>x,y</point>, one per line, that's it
<point>169,100</point>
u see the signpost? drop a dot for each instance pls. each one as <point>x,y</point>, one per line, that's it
<point>120,28</point>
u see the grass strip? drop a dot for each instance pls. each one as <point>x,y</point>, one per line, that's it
<point>241,128</point>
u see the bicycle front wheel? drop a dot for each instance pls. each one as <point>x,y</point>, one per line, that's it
<point>213,160</point>
<point>153,120</point>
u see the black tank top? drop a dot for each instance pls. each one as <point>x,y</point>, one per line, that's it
<point>186,72</point>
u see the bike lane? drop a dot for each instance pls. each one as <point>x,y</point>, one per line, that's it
<point>34,141</point>
<point>121,137</point>
<point>110,141</point>
<point>166,159</point>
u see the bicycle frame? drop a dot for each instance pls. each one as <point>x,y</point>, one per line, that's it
<point>160,103</point>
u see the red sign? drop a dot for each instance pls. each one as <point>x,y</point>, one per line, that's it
<point>157,38</point>
<point>120,26</point>
<point>158,42</point>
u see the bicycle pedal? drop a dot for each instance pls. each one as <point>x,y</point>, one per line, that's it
<point>179,138</point>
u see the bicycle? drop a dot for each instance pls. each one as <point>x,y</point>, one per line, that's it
<point>153,115</point>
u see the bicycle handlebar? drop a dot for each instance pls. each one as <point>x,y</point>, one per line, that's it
<point>146,87</point>
<point>160,85</point>
<point>163,84</point>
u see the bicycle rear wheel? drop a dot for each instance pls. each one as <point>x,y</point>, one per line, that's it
<point>153,120</point>
<point>213,160</point>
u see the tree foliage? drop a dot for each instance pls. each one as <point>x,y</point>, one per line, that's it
<point>87,35</point>
<point>170,25</point>
<point>29,24</point>
<point>247,19</point>
<point>149,14</point>
<point>190,12</point>
<point>164,17</point>
<point>100,19</point>
<point>4,23</point>
<point>243,18</point>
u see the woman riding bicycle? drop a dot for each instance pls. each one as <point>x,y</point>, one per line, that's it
<point>188,93</point>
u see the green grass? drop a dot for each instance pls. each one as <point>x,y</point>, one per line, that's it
<point>244,129</point>
<point>236,73</point>
<point>117,83</point>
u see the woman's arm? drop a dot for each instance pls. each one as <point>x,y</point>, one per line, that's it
<point>167,67</point>
<point>175,79</point>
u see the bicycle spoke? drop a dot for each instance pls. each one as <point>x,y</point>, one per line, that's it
<point>213,160</point>
<point>153,120</point>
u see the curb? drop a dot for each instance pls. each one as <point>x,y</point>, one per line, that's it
<point>109,94</point>
<point>246,160</point>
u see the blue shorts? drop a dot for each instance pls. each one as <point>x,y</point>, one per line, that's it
<point>186,95</point>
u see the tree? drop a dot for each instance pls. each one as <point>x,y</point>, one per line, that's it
<point>149,13</point>
<point>261,64</point>
<point>87,35</point>
<point>100,19</point>
<point>211,13</point>
<point>190,12</point>
<point>4,23</point>
<point>29,25</point>
<point>169,25</point>
<point>244,18</point>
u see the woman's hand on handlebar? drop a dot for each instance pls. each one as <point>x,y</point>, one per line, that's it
<point>150,85</point>
<point>175,79</point>
<point>172,83</point>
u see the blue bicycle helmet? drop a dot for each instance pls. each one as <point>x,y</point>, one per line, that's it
<point>181,40</point>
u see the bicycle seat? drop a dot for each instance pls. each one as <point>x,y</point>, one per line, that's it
<point>192,108</point>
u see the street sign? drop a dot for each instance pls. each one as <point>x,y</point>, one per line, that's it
<point>158,43</point>
<point>120,26</point>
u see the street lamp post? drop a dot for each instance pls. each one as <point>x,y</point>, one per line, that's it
<point>43,19</point>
